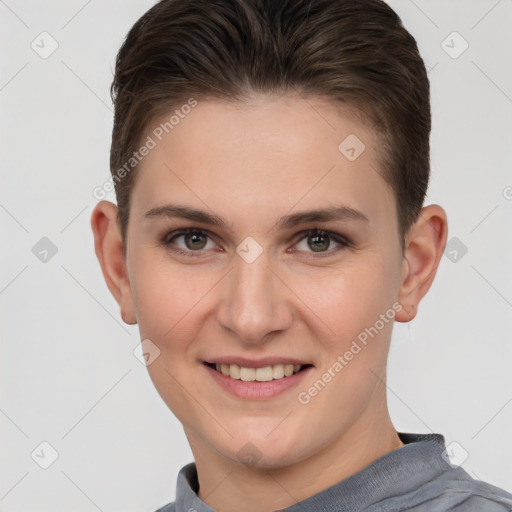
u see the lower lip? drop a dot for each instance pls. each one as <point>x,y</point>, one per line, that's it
<point>255,389</point>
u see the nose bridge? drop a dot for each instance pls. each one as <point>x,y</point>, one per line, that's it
<point>255,303</point>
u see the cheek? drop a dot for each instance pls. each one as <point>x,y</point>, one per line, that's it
<point>351,302</point>
<point>349,299</point>
<point>167,301</point>
<point>169,313</point>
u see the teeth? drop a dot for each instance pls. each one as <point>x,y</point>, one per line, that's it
<point>263,374</point>
<point>278,371</point>
<point>234,371</point>
<point>247,374</point>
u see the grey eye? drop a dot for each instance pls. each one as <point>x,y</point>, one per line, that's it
<point>195,240</point>
<point>319,243</point>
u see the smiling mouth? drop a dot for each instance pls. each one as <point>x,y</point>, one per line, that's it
<point>263,374</point>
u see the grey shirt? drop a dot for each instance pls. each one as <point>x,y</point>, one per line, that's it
<point>415,477</point>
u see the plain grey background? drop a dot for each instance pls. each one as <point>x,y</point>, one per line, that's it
<point>69,377</point>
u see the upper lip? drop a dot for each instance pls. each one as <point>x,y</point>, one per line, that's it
<point>256,363</point>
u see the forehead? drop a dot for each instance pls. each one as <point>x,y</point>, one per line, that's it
<point>269,154</point>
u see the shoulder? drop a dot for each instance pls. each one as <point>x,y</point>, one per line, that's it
<point>455,491</point>
<point>462,493</point>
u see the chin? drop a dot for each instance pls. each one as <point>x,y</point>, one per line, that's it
<point>262,452</point>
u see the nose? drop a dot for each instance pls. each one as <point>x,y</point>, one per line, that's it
<point>255,302</point>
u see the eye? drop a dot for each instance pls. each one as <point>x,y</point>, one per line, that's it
<point>188,241</point>
<point>319,241</point>
<point>193,241</point>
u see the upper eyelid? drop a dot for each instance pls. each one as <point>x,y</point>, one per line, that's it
<point>171,235</point>
<point>295,238</point>
<point>319,230</point>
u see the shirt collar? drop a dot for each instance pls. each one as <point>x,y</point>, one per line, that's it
<point>403,469</point>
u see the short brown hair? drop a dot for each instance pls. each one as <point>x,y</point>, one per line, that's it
<point>352,51</point>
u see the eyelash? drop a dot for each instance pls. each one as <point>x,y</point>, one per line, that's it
<point>339,239</point>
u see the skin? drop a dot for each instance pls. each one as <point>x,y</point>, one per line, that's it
<point>252,164</point>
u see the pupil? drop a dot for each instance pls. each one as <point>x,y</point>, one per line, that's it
<point>193,240</point>
<point>319,242</point>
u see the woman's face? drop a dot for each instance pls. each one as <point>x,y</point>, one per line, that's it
<point>255,284</point>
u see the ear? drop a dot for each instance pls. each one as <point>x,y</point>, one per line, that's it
<point>109,251</point>
<point>424,247</point>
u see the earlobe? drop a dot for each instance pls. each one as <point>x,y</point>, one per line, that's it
<point>425,245</point>
<point>109,251</point>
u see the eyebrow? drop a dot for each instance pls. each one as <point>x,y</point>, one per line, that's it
<point>340,213</point>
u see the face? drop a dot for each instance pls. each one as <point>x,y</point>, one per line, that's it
<point>256,241</point>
